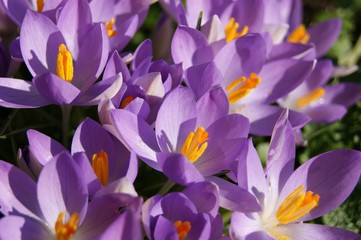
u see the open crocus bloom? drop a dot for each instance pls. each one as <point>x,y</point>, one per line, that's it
<point>57,207</point>
<point>288,198</point>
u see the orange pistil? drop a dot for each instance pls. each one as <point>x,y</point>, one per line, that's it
<point>195,144</point>
<point>64,231</point>
<point>100,166</point>
<point>126,101</point>
<point>39,5</point>
<point>310,97</point>
<point>109,26</point>
<point>237,91</point>
<point>231,30</point>
<point>64,64</point>
<point>299,35</point>
<point>182,228</point>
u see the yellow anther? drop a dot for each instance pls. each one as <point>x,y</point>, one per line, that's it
<point>100,166</point>
<point>296,205</point>
<point>310,97</point>
<point>195,144</point>
<point>126,101</point>
<point>231,30</point>
<point>64,64</point>
<point>64,231</point>
<point>182,228</point>
<point>109,26</point>
<point>236,90</point>
<point>39,5</point>
<point>299,35</point>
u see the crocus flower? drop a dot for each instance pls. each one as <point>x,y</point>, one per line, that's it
<point>251,84</point>
<point>191,214</point>
<point>191,139</point>
<point>288,197</point>
<point>122,18</point>
<point>104,162</point>
<point>63,60</point>
<point>323,103</point>
<point>57,205</point>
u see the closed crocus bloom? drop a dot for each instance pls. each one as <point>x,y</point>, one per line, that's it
<point>288,197</point>
<point>56,207</point>
<point>191,214</point>
<point>63,61</point>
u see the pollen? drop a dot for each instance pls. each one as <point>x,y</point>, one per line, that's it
<point>242,86</point>
<point>100,166</point>
<point>182,228</point>
<point>39,5</point>
<point>231,30</point>
<point>296,205</point>
<point>109,26</point>
<point>195,144</point>
<point>64,231</point>
<point>64,64</point>
<point>299,35</point>
<point>126,101</point>
<point>310,97</point>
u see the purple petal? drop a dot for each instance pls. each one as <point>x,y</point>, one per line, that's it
<point>55,90</point>
<point>16,93</point>
<point>202,78</point>
<point>126,226</point>
<point>320,74</point>
<point>326,113</point>
<point>190,47</point>
<point>74,21</point>
<point>345,94</point>
<point>62,188</point>
<point>250,174</point>
<point>105,89</point>
<point>178,168</point>
<point>281,154</point>
<point>91,60</point>
<point>43,147</point>
<point>332,175</point>
<point>317,232</point>
<point>324,35</point>
<point>234,198</point>
<point>115,66</point>
<point>176,119</point>
<point>212,106</point>
<point>249,13</point>
<point>289,50</point>
<point>164,229</point>
<point>16,9</point>
<point>143,51</point>
<point>18,228</point>
<point>103,211</point>
<point>204,196</point>
<point>241,57</point>
<point>18,192</point>
<point>244,226</point>
<point>137,134</point>
<point>39,42</point>
<point>264,117</point>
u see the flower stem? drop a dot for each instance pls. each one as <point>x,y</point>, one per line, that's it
<point>166,187</point>
<point>65,110</point>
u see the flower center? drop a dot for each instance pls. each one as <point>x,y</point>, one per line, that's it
<point>64,64</point>
<point>231,30</point>
<point>296,205</point>
<point>100,166</point>
<point>310,97</point>
<point>39,5</point>
<point>182,228</point>
<point>109,26</point>
<point>195,144</point>
<point>126,101</point>
<point>64,231</point>
<point>299,35</point>
<point>236,90</point>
